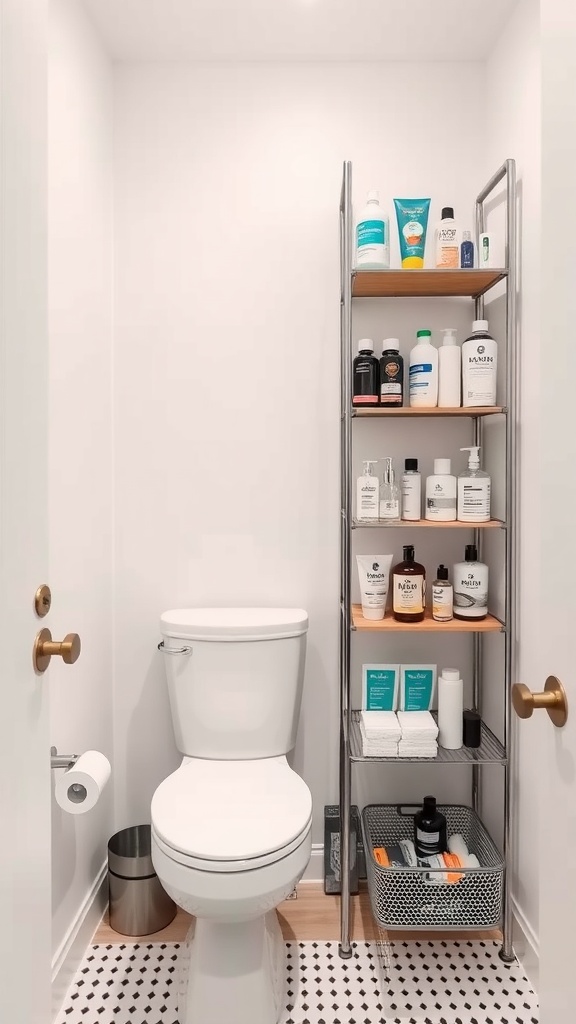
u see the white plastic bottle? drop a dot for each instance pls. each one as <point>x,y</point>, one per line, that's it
<point>367,493</point>
<point>448,239</point>
<point>479,367</point>
<point>441,493</point>
<point>473,490</point>
<point>411,492</point>
<point>449,371</point>
<point>450,709</point>
<point>470,581</point>
<point>373,236</point>
<point>424,372</point>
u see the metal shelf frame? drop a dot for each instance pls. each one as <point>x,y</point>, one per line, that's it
<point>494,751</point>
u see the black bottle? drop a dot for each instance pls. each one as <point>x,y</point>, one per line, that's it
<point>366,375</point>
<point>429,830</point>
<point>391,374</point>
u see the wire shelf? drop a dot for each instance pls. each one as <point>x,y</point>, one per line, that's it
<point>490,750</point>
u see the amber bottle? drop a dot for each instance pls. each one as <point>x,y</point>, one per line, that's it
<point>408,588</point>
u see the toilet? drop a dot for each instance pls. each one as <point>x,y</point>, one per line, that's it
<point>231,827</point>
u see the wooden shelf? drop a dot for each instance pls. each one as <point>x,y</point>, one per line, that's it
<point>389,624</point>
<point>428,283</point>
<point>381,524</point>
<point>406,410</point>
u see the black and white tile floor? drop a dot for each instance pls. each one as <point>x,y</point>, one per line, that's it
<point>416,983</point>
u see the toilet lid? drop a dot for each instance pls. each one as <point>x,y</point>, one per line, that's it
<point>231,810</point>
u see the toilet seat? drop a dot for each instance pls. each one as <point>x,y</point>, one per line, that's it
<point>231,815</point>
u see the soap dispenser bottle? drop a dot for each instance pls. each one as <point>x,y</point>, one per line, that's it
<point>473,490</point>
<point>389,495</point>
<point>367,494</point>
<point>408,588</point>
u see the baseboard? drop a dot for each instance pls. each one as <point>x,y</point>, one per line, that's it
<point>315,870</point>
<point>526,945</point>
<point>69,954</point>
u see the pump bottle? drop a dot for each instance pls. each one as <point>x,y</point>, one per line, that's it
<point>473,490</point>
<point>449,371</point>
<point>367,493</point>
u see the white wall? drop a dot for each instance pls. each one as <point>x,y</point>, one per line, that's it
<point>513,80</point>
<point>80,442</point>
<point>226,362</point>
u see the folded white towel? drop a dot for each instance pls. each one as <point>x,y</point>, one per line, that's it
<point>421,751</point>
<point>419,723</point>
<point>380,724</point>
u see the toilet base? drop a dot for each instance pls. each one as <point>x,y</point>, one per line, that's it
<point>232,972</point>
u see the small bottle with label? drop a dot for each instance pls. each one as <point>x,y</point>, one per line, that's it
<point>408,588</point>
<point>447,241</point>
<point>389,495</point>
<point>365,375</point>
<point>467,251</point>
<point>441,493</point>
<point>373,236</point>
<point>411,492</point>
<point>430,835</point>
<point>367,494</point>
<point>442,596</point>
<point>391,374</point>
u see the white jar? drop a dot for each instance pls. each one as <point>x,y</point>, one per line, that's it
<point>470,582</point>
<point>441,493</point>
<point>450,709</point>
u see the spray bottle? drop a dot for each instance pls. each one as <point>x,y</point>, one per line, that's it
<point>473,490</point>
<point>367,493</point>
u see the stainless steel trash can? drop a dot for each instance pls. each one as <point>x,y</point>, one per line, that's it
<point>138,903</point>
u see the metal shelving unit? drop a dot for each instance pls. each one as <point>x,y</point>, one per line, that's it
<point>428,283</point>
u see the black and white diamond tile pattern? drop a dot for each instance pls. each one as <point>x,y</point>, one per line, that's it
<point>421,983</point>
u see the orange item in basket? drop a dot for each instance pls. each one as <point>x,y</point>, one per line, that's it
<point>452,860</point>
<point>381,857</point>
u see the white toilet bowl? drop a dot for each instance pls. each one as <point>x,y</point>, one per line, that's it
<point>230,840</point>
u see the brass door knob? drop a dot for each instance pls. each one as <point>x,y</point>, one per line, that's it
<point>553,699</point>
<point>44,647</point>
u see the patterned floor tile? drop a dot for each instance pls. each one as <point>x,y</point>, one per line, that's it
<point>415,983</point>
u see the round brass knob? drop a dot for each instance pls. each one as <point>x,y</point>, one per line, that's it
<point>553,698</point>
<point>44,647</point>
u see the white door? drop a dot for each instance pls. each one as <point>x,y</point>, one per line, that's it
<point>24,736</point>
<point>554,591</point>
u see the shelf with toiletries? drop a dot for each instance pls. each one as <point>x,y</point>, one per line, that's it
<point>490,751</point>
<point>407,410</point>
<point>389,624</point>
<point>424,283</point>
<point>384,524</point>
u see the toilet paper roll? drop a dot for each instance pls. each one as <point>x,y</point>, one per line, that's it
<point>78,789</point>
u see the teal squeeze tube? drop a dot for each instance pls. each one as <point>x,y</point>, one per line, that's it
<point>412,218</point>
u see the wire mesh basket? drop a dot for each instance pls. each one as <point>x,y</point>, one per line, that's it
<point>418,897</point>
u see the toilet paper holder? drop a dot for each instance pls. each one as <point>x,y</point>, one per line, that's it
<point>62,760</point>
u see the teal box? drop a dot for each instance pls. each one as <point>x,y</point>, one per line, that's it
<point>380,684</point>
<point>418,688</point>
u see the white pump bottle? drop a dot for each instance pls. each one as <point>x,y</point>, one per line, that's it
<point>473,490</point>
<point>449,371</point>
<point>368,493</point>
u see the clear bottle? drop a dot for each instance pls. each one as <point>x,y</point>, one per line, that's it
<point>391,374</point>
<point>470,586</point>
<point>441,493</point>
<point>442,596</point>
<point>467,251</point>
<point>367,493</point>
<point>373,236</point>
<point>389,495</point>
<point>424,372</point>
<point>411,492</point>
<point>365,375</point>
<point>473,490</point>
<point>447,241</point>
<point>449,371</point>
<point>408,588</point>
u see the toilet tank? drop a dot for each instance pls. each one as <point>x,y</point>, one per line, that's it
<point>235,679</point>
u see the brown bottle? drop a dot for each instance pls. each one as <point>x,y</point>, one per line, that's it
<point>408,588</point>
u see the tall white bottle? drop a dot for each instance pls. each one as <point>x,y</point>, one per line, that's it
<point>450,709</point>
<point>449,371</point>
<point>441,493</point>
<point>372,236</point>
<point>367,493</point>
<point>473,490</point>
<point>411,492</point>
<point>479,367</point>
<point>424,372</point>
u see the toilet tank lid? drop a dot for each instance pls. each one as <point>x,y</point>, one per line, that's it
<point>234,623</point>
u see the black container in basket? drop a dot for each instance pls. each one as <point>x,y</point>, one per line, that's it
<point>405,897</point>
